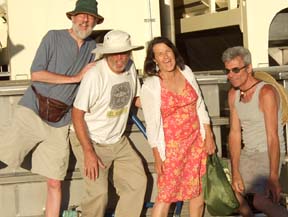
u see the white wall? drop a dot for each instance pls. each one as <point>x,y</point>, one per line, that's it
<point>29,20</point>
<point>130,16</point>
<point>256,33</point>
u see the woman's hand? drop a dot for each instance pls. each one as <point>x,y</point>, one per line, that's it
<point>158,162</point>
<point>209,140</point>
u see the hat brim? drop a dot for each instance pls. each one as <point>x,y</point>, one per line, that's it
<point>100,49</point>
<point>100,19</point>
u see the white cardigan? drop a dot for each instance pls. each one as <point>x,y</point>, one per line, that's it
<point>151,101</point>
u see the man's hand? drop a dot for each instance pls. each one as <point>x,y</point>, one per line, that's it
<point>80,75</point>
<point>273,190</point>
<point>238,184</point>
<point>91,165</point>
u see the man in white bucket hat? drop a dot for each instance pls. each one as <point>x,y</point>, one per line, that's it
<point>99,116</point>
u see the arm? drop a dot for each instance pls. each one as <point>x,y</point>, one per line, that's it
<point>46,52</point>
<point>91,160</point>
<point>201,107</point>
<point>137,102</point>
<point>203,116</point>
<point>151,112</point>
<point>149,108</point>
<point>209,139</point>
<point>235,144</point>
<point>269,105</point>
<point>53,77</point>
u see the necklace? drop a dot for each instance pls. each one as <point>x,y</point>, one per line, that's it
<point>243,92</point>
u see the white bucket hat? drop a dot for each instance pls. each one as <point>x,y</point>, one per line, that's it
<point>115,41</point>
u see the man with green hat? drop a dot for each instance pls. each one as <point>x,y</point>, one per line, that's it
<point>61,61</point>
<point>86,7</point>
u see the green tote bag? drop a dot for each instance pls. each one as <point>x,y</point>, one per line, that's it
<point>218,194</point>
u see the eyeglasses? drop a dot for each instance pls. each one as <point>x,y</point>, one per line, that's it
<point>234,70</point>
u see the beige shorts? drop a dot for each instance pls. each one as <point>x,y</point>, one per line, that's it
<point>255,170</point>
<point>28,132</point>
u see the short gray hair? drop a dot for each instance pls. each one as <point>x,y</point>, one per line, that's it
<point>238,51</point>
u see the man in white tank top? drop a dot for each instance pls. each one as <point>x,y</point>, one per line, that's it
<point>256,141</point>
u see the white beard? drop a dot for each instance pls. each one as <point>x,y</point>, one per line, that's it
<point>81,34</point>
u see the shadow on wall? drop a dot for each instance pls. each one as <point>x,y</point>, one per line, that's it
<point>8,52</point>
<point>14,48</point>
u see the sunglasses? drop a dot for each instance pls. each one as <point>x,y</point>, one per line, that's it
<point>234,70</point>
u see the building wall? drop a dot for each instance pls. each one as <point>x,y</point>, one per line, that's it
<point>259,16</point>
<point>29,20</point>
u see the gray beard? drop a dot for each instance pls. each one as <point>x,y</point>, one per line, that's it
<point>81,34</point>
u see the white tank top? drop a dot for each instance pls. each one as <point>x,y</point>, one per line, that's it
<point>253,125</point>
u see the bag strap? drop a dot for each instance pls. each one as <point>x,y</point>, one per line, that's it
<point>34,90</point>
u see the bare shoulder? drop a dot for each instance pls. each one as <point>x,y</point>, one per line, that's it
<point>232,92</point>
<point>268,91</point>
<point>268,97</point>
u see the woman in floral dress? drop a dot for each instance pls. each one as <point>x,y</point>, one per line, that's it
<point>178,127</point>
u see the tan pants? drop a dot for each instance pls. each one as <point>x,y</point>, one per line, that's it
<point>129,179</point>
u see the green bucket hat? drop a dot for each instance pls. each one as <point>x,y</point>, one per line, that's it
<point>86,7</point>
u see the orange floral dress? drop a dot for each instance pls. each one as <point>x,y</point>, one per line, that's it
<point>185,162</point>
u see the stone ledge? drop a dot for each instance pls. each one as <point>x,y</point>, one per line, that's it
<point>29,177</point>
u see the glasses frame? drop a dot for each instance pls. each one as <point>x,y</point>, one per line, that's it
<point>234,70</point>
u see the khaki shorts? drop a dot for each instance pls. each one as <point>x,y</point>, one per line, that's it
<point>50,145</point>
<point>255,170</point>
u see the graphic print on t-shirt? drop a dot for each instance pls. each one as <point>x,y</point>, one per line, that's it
<point>120,97</point>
